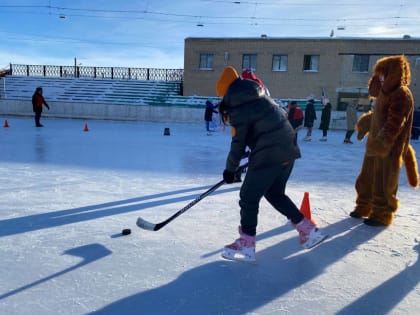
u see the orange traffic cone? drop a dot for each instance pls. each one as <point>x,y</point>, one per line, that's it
<point>86,128</point>
<point>305,207</point>
<point>6,124</point>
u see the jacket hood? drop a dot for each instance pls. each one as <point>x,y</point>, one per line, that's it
<point>243,91</point>
<point>396,72</point>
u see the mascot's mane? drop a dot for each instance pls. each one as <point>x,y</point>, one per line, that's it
<point>396,71</point>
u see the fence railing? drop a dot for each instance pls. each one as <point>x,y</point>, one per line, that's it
<point>98,72</point>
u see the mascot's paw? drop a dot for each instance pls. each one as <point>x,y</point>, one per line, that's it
<point>356,215</point>
<point>363,125</point>
<point>373,222</point>
<point>361,135</point>
<point>380,218</point>
<point>360,212</point>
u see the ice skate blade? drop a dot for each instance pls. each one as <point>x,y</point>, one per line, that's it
<point>235,256</point>
<point>315,241</point>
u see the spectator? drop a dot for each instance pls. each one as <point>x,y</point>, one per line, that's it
<point>351,121</point>
<point>415,129</point>
<point>325,119</point>
<point>310,116</point>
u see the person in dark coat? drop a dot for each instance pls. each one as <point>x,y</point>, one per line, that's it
<point>208,114</point>
<point>415,129</point>
<point>325,119</point>
<point>37,102</point>
<point>310,116</point>
<point>258,122</point>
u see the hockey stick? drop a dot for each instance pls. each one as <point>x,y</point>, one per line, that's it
<point>141,223</point>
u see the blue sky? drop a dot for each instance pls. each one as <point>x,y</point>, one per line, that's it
<point>151,33</point>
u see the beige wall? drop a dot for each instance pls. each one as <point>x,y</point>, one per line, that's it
<point>335,64</point>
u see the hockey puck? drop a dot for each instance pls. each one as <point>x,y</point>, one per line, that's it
<point>126,232</point>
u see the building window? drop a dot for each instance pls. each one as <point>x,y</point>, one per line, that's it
<point>279,62</point>
<point>206,61</point>
<point>311,63</point>
<point>360,63</point>
<point>249,61</point>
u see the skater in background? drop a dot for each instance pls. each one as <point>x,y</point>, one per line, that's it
<point>325,119</point>
<point>310,116</point>
<point>351,121</point>
<point>258,122</point>
<point>295,116</point>
<point>208,115</point>
<point>37,102</point>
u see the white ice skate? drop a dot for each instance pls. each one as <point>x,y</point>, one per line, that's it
<point>307,138</point>
<point>309,234</point>
<point>242,249</point>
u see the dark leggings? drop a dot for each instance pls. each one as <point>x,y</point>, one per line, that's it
<point>270,183</point>
<point>38,118</point>
<point>349,133</point>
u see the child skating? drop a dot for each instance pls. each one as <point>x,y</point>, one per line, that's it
<point>259,123</point>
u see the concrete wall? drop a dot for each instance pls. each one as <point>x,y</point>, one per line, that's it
<point>177,114</point>
<point>106,111</point>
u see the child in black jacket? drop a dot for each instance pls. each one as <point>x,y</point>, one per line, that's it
<point>259,123</point>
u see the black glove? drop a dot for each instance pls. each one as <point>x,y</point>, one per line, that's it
<point>229,177</point>
<point>47,106</point>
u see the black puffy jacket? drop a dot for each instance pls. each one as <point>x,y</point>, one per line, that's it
<point>259,123</point>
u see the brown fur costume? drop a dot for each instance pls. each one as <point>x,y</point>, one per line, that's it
<point>388,127</point>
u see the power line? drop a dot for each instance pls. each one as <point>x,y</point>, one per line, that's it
<point>148,12</point>
<point>158,16</point>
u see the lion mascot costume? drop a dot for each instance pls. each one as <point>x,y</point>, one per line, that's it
<point>388,129</point>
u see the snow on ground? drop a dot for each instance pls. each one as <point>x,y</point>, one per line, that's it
<point>66,195</point>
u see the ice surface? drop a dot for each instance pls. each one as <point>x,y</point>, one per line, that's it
<point>67,194</point>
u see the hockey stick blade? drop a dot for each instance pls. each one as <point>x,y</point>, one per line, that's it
<point>146,225</point>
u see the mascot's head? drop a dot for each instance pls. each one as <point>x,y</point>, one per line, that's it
<point>395,71</point>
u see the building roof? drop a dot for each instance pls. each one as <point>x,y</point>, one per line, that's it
<point>335,38</point>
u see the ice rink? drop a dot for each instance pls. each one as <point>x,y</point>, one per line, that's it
<point>66,195</point>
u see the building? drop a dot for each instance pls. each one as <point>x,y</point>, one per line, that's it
<point>297,68</point>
